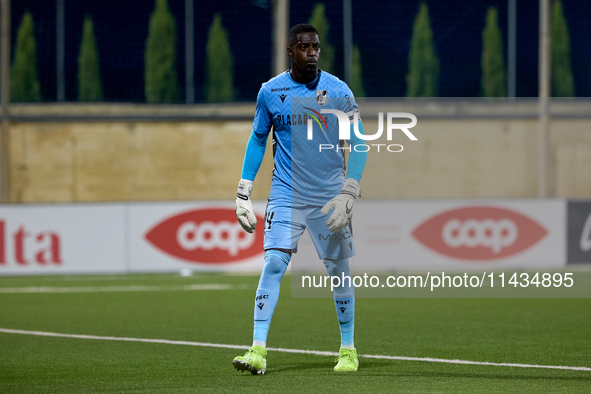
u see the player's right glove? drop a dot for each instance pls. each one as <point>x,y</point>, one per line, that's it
<point>244,211</point>
<point>342,205</point>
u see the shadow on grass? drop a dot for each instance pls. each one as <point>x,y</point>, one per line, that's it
<point>377,368</point>
<point>534,373</point>
<point>318,365</point>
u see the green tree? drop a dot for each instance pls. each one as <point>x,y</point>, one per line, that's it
<point>89,74</point>
<point>492,62</point>
<point>24,79</point>
<point>357,74</point>
<point>219,64</point>
<point>563,84</point>
<point>160,56</point>
<point>423,63</point>
<point>320,22</point>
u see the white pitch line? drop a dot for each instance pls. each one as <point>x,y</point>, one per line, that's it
<point>283,350</point>
<point>102,289</point>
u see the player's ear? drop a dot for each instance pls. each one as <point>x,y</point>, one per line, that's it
<point>289,52</point>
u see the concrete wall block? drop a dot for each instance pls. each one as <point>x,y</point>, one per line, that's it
<point>186,160</point>
<point>574,170</point>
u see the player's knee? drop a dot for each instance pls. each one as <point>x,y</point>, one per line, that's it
<point>331,267</point>
<point>340,269</point>
<point>333,270</point>
<point>344,292</point>
<point>337,267</point>
<point>276,262</point>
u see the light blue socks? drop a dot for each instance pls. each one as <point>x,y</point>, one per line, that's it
<point>344,298</point>
<point>267,294</point>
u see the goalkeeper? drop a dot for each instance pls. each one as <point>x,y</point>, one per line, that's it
<point>310,189</point>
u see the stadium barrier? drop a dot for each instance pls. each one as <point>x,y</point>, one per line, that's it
<point>205,236</point>
<point>466,148</point>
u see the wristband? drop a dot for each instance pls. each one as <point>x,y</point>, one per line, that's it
<point>244,189</point>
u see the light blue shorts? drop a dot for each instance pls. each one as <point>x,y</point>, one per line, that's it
<point>285,222</point>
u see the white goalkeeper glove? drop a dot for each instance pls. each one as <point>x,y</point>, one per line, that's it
<point>244,211</point>
<point>342,205</point>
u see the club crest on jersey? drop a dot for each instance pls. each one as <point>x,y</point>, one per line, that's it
<point>321,97</point>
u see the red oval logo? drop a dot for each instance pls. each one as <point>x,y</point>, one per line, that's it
<point>209,235</point>
<point>479,233</point>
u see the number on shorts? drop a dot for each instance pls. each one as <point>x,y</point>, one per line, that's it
<point>269,218</point>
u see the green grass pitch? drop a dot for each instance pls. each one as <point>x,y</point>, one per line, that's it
<point>526,331</point>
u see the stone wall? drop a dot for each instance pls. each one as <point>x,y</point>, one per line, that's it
<point>463,151</point>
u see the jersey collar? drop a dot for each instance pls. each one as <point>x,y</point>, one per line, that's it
<point>309,85</point>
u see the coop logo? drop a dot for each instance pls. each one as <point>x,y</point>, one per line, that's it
<point>345,121</point>
<point>479,233</point>
<point>207,235</point>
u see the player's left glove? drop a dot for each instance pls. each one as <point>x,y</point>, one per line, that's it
<point>342,205</point>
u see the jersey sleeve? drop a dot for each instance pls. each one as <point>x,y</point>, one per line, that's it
<point>255,149</point>
<point>347,103</point>
<point>253,157</point>
<point>262,117</point>
<point>357,159</point>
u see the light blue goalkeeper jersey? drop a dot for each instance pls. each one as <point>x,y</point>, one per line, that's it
<point>303,172</point>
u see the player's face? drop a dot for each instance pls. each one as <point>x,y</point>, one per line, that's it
<point>305,53</point>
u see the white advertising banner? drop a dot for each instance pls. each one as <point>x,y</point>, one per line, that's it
<point>204,236</point>
<point>62,239</point>
<point>200,236</point>
<point>453,235</point>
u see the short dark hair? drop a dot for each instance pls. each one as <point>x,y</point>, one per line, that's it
<point>292,36</point>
